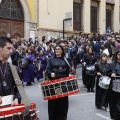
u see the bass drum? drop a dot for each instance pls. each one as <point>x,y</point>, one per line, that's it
<point>104,82</point>
<point>116,85</point>
<point>90,70</point>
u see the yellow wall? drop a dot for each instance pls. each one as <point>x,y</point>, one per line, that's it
<point>52,13</point>
<point>31,4</point>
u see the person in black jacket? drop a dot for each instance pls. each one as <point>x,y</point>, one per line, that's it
<point>7,83</point>
<point>57,68</point>
<point>90,60</point>
<point>103,69</point>
<point>114,98</point>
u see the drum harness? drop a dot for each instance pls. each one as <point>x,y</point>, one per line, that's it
<point>20,89</point>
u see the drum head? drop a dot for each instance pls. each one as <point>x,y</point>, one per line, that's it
<point>104,82</point>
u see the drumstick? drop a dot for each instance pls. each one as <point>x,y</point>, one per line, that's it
<point>117,76</point>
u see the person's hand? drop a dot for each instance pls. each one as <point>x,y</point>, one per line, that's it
<point>113,75</point>
<point>70,75</point>
<point>98,73</point>
<point>15,102</point>
<point>0,100</point>
<point>53,75</point>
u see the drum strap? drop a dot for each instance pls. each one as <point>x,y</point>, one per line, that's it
<point>67,62</point>
<point>20,89</point>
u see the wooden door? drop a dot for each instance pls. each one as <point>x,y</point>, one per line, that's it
<point>15,28</point>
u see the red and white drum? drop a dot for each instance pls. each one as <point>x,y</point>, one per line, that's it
<point>15,112</point>
<point>58,88</point>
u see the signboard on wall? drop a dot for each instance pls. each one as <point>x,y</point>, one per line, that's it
<point>32,34</point>
<point>68,23</point>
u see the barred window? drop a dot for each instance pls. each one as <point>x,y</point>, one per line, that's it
<point>11,9</point>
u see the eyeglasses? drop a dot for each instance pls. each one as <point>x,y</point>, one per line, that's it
<point>57,49</point>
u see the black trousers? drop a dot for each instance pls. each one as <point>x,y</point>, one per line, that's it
<point>58,109</point>
<point>101,96</point>
<point>90,82</point>
<point>114,103</point>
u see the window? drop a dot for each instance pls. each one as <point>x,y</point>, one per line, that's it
<point>77,17</point>
<point>11,9</point>
<point>93,19</point>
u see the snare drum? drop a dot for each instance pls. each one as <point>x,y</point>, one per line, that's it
<point>15,112</point>
<point>104,82</point>
<point>60,88</point>
<point>90,70</point>
<point>116,85</point>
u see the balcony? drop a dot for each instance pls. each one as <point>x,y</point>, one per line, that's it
<point>110,1</point>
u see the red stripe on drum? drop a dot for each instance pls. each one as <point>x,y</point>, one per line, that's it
<point>8,110</point>
<point>58,80</point>
<point>62,95</point>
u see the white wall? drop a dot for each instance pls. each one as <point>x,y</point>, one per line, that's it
<point>52,13</point>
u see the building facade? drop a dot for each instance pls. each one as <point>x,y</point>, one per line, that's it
<point>31,18</point>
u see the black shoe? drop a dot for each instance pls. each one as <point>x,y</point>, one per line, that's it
<point>92,91</point>
<point>28,84</point>
<point>88,90</point>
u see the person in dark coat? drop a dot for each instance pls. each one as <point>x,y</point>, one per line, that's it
<point>114,98</point>
<point>28,71</point>
<point>42,60</point>
<point>90,60</point>
<point>102,69</point>
<point>82,54</point>
<point>73,49</point>
<point>97,46</point>
<point>7,82</point>
<point>16,55</point>
<point>58,68</point>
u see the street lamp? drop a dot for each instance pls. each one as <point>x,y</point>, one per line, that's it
<point>64,25</point>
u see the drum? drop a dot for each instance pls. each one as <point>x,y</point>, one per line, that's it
<point>90,70</point>
<point>60,87</point>
<point>15,112</point>
<point>104,82</point>
<point>116,85</point>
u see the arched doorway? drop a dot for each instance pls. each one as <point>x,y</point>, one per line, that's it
<point>11,18</point>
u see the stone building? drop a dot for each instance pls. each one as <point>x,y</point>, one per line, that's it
<point>31,18</point>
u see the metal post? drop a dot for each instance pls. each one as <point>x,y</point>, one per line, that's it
<point>63,29</point>
<point>64,26</point>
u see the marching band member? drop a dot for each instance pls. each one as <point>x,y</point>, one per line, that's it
<point>103,69</point>
<point>114,99</point>
<point>8,89</point>
<point>28,71</point>
<point>88,60</point>
<point>57,67</point>
<point>82,54</point>
<point>42,60</point>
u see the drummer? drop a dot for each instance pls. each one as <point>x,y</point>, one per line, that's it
<point>115,96</point>
<point>57,67</point>
<point>88,60</point>
<point>103,69</point>
<point>8,88</point>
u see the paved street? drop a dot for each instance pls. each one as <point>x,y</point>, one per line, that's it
<point>81,106</point>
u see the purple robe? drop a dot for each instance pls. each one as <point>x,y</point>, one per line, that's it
<point>49,54</point>
<point>43,60</point>
<point>28,72</point>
